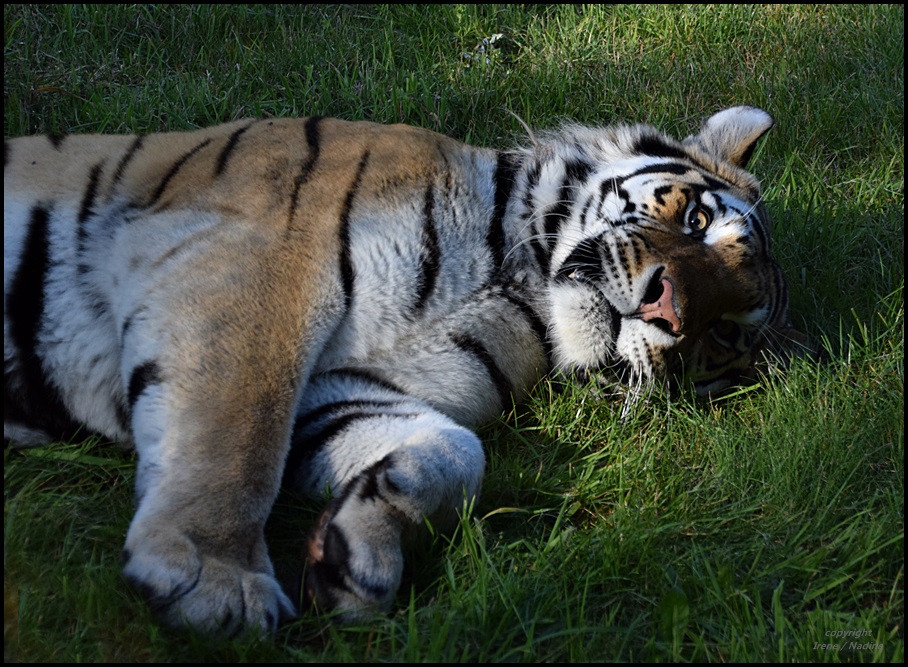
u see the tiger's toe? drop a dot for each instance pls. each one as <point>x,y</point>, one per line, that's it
<point>189,589</point>
<point>347,574</point>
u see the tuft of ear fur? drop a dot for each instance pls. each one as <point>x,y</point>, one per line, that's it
<point>732,134</point>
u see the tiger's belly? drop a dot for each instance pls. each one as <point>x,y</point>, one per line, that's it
<point>61,355</point>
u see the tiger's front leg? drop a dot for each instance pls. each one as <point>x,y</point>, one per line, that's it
<point>211,394</point>
<point>394,462</point>
<point>206,483</point>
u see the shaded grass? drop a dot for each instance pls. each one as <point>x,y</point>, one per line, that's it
<point>752,528</point>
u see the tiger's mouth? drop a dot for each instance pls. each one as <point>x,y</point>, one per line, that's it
<point>642,362</point>
<point>648,333</point>
<point>586,266</point>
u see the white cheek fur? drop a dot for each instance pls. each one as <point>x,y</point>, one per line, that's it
<point>580,326</point>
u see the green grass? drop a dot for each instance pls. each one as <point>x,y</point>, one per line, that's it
<point>753,528</point>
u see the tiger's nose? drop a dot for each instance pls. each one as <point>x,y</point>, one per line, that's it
<point>659,304</point>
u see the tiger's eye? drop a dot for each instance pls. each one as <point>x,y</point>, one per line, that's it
<point>698,219</point>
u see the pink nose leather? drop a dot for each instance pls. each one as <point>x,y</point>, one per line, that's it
<point>663,307</point>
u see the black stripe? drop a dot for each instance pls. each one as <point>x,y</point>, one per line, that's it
<point>619,252</point>
<point>760,231</point>
<point>747,154</point>
<point>617,269</point>
<point>431,260</point>
<point>585,211</point>
<point>365,376</point>
<point>25,303</point>
<point>86,210</point>
<point>188,242</point>
<point>88,197</point>
<point>348,272</point>
<point>608,187</point>
<point>540,248</point>
<point>660,192</point>
<point>340,415</point>
<point>29,395</point>
<point>712,182</point>
<point>616,185</point>
<point>676,168</point>
<point>173,172</point>
<point>312,151</point>
<point>721,208</point>
<point>615,323</point>
<point>641,238</point>
<point>157,600</point>
<point>337,407</point>
<point>56,140</point>
<point>124,416</point>
<point>5,153</point>
<point>536,323</point>
<point>221,163</point>
<point>541,252</point>
<point>127,324</point>
<point>140,379</point>
<point>473,346</point>
<point>505,170</point>
<point>312,143</point>
<point>655,146</point>
<point>634,261</point>
<point>124,162</point>
<point>778,292</point>
<point>302,448</point>
<point>371,489</point>
<point>584,261</point>
<point>575,172</point>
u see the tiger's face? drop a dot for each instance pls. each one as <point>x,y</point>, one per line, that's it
<point>667,270</point>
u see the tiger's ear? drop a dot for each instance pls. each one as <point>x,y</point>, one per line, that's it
<point>732,135</point>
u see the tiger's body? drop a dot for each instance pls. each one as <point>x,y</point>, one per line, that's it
<point>336,304</point>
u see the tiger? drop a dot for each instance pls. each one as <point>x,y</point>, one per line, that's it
<point>335,306</point>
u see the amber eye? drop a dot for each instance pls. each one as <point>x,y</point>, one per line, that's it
<point>697,218</point>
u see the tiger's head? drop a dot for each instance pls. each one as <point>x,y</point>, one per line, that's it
<point>662,268</point>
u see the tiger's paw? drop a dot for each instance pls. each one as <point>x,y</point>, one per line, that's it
<point>354,561</point>
<point>188,588</point>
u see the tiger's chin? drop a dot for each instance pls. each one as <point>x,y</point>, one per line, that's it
<point>632,383</point>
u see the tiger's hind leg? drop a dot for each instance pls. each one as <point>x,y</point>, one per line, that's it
<point>395,462</point>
